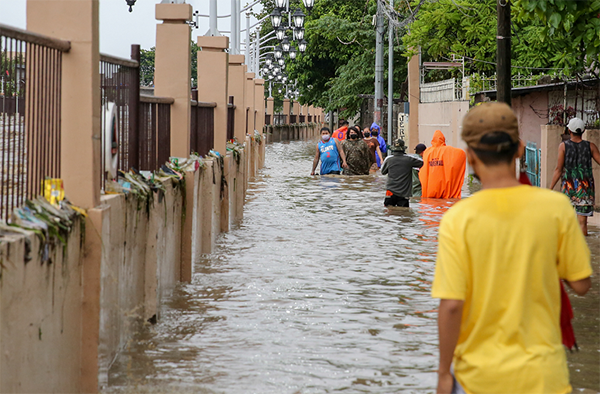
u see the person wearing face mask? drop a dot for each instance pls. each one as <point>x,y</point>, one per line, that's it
<point>376,132</point>
<point>357,153</point>
<point>373,144</point>
<point>329,152</point>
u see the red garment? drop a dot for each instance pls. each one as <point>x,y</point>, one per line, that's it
<point>443,171</point>
<point>340,134</point>
<point>566,311</point>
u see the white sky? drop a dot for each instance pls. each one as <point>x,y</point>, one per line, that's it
<point>119,28</point>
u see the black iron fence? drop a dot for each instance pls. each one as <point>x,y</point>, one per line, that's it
<point>279,119</point>
<point>302,118</point>
<point>30,106</point>
<point>202,127</point>
<point>230,119</point>
<point>293,119</point>
<point>267,119</point>
<point>154,133</point>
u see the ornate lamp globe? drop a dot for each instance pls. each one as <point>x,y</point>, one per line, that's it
<point>298,18</point>
<point>302,46</point>
<point>299,32</point>
<point>280,4</point>
<point>285,44</point>
<point>276,70</point>
<point>276,18</point>
<point>281,61</point>
<point>270,76</point>
<point>269,60</point>
<point>280,33</point>
<point>278,52</point>
<point>284,79</point>
<point>309,4</point>
<point>279,77</point>
<point>293,53</point>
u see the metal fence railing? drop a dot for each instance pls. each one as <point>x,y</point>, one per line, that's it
<point>30,108</point>
<point>293,119</point>
<point>202,127</point>
<point>279,119</point>
<point>310,118</point>
<point>119,92</point>
<point>302,118</point>
<point>267,119</point>
<point>153,147</point>
<point>230,119</point>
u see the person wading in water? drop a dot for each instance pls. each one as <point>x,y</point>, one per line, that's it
<point>357,153</point>
<point>329,152</point>
<point>501,254</point>
<point>399,167</point>
<point>575,166</point>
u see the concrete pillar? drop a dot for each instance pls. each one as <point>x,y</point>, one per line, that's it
<point>172,70</point>
<point>259,105</point>
<point>286,109</point>
<point>414,89</point>
<point>213,70</point>
<point>76,21</point>
<point>250,92</point>
<point>225,200</point>
<point>271,108</point>
<point>296,110</point>
<point>188,232</point>
<point>237,89</point>
<point>207,191</point>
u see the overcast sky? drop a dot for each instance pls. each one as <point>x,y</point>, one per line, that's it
<point>119,28</point>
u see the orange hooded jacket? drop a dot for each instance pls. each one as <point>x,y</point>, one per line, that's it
<point>443,171</point>
<point>340,134</point>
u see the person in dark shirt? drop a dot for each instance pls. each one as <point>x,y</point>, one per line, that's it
<point>399,167</point>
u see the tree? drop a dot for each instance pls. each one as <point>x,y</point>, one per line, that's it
<point>468,28</point>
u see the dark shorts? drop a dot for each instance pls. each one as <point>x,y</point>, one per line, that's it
<point>395,201</point>
<point>333,173</point>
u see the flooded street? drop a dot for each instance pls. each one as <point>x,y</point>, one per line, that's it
<point>321,289</point>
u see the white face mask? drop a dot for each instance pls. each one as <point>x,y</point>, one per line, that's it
<point>325,137</point>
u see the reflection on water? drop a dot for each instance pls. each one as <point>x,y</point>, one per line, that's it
<point>321,289</point>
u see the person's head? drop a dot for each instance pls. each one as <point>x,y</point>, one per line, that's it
<point>325,134</point>
<point>343,122</point>
<point>491,132</point>
<point>353,133</point>
<point>399,147</point>
<point>366,132</point>
<point>576,127</point>
<point>375,129</point>
<point>420,148</point>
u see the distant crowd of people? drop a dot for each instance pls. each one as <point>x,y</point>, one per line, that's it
<point>434,172</point>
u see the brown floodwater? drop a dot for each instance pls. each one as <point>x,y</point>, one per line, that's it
<point>320,289</point>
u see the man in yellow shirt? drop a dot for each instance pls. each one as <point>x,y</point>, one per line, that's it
<point>501,255</point>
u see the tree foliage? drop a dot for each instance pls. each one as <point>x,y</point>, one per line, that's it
<point>147,65</point>
<point>339,63</point>
<point>546,34</point>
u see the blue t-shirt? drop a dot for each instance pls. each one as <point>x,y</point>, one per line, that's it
<point>330,157</point>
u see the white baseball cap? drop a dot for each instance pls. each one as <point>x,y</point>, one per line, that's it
<point>576,125</point>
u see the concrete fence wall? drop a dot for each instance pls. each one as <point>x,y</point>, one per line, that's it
<point>291,132</point>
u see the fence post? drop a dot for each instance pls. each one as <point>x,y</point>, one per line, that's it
<point>237,88</point>
<point>213,67</point>
<point>134,112</point>
<point>249,102</point>
<point>296,110</point>
<point>414,80</point>
<point>172,74</point>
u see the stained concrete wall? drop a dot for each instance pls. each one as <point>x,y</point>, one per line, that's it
<point>40,314</point>
<point>446,117</point>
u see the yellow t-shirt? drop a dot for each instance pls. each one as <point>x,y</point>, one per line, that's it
<point>503,251</point>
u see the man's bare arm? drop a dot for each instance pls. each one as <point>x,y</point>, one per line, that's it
<point>449,318</point>
<point>315,161</point>
<point>580,287</point>
<point>595,152</point>
<point>560,163</point>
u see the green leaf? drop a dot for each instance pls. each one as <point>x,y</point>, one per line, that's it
<point>554,20</point>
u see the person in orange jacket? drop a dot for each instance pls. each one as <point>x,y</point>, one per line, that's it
<point>443,171</point>
<point>340,134</point>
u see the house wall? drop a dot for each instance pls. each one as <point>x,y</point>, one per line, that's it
<point>446,117</point>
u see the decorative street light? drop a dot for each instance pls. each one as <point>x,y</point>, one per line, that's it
<point>292,53</point>
<point>284,79</point>
<point>270,76</point>
<point>279,77</point>
<point>130,3</point>
<point>269,60</point>
<point>280,4</point>
<point>280,33</point>
<point>276,70</point>
<point>285,44</point>
<point>276,18</point>
<point>309,4</point>
<point>298,18</point>
<point>279,52</point>
<point>302,46</point>
<point>281,61</point>
<point>299,33</point>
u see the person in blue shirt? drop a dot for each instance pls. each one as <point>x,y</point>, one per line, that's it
<point>376,132</point>
<point>329,152</point>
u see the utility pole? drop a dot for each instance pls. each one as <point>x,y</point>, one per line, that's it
<point>235,33</point>
<point>213,31</point>
<point>503,52</point>
<point>379,31</point>
<point>390,106</point>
